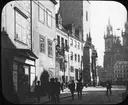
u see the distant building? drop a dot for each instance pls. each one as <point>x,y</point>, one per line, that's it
<point>121,72</point>
<point>87,61</point>
<point>114,51</point>
<point>101,74</point>
<point>77,12</point>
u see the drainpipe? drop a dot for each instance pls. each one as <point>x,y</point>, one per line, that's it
<point>31,22</point>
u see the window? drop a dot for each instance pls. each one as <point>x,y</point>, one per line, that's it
<point>42,44</point>
<point>71,43</point>
<point>78,45</point>
<point>58,39</point>
<point>72,69</point>
<point>75,57</point>
<point>81,46</point>
<point>50,48</point>
<point>66,45</point>
<point>62,42</point>
<point>78,58</point>
<point>71,55</point>
<point>86,15</point>
<point>75,43</point>
<point>22,26</point>
<point>49,18</point>
<point>41,13</point>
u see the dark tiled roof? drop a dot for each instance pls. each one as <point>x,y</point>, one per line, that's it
<point>53,1</point>
<point>68,26</point>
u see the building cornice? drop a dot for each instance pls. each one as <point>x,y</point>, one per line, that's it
<point>62,32</point>
<point>76,38</point>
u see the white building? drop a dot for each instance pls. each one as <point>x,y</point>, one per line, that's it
<point>28,30</point>
<point>44,34</point>
<point>62,42</point>
<point>75,51</point>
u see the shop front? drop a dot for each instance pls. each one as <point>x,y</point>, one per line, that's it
<point>20,64</point>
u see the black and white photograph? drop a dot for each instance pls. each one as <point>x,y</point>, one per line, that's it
<point>64,52</point>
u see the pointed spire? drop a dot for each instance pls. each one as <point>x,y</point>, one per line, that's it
<point>86,37</point>
<point>89,34</point>
<point>109,28</point>
<point>109,21</point>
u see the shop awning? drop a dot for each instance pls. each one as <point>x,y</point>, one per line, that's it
<point>23,52</point>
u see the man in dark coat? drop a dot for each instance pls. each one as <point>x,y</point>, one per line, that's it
<point>72,88</point>
<point>57,90</point>
<point>79,89</point>
<point>38,90</point>
<point>52,90</point>
<point>49,88</point>
<point>62,87</point>
<point>109,86</point>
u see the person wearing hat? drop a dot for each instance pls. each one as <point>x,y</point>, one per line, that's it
<point>79,89</point>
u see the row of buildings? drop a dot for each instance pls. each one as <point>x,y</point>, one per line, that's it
<point>39,44</point>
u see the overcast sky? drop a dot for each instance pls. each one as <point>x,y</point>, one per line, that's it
<point>100,13</point>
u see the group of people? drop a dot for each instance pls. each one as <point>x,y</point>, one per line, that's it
<point>53,88</point>
<point>79,88</point>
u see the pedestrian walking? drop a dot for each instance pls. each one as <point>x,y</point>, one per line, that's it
<point>53,90</point>
<point>49,92</point>
<point>72,88</point>
<point>79,89</point>
<point>38,90</point>
<point>62,87</point>
<point>57,90</point>
<point>108,87</point>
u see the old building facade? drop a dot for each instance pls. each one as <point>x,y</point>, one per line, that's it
<point>25,46</point>
<point>44,34</point>
<point>121,72</point>
<point>75,52</point>
<point>62,50</point>
<point>77,13</point>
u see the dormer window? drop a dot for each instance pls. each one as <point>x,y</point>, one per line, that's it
<point>59,21</point>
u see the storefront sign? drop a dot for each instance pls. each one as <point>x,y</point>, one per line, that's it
<point>24,60</point>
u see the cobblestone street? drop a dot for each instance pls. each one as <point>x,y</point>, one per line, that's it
<point>91,95</point>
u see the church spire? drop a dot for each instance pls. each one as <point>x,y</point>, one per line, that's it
<point>109,22</point>
<point>109,28</point>
<point>86,37</point>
